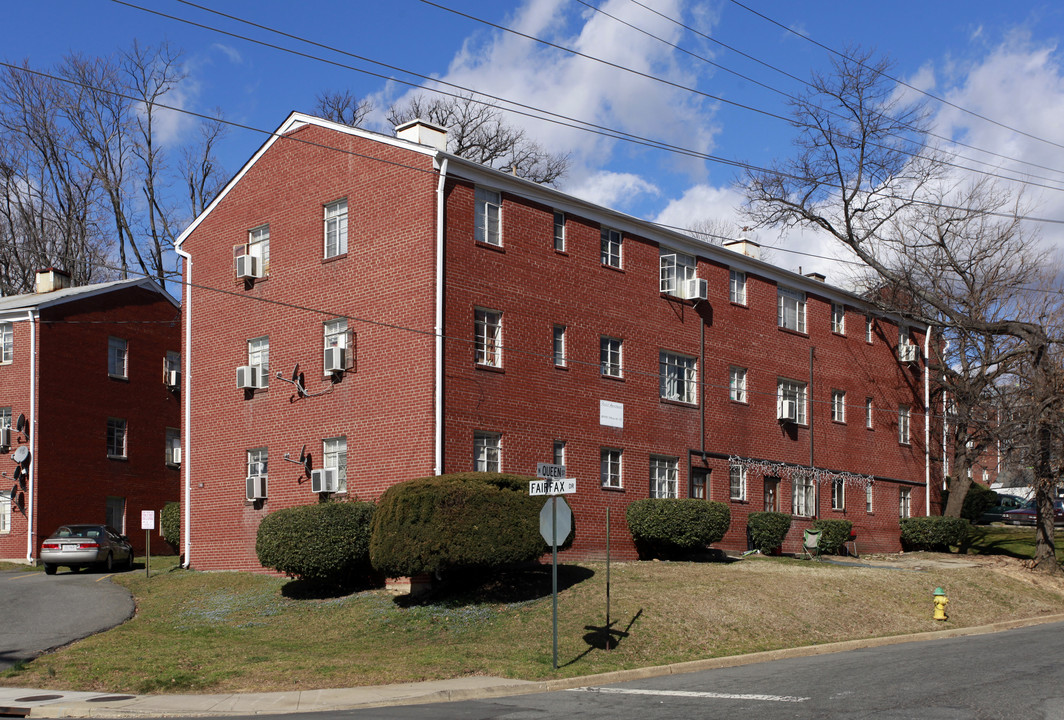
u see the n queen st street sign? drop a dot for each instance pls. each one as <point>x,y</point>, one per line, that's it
<point>552,481</point>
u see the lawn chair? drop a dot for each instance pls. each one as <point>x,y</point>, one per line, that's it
<point>811,545</point>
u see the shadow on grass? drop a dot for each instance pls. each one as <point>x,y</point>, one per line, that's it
<point>310,590</point>
<point>474,587</point>
<point>604,637</point>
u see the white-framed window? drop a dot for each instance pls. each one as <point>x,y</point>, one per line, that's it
<point>488,216</point>
<point>171,362</point>
<point>610,356</point>
<point>259,355</point>
<point>771,491</point>
<point>791,393</point>
<point>258,461</point>
<point>791,313</point>
<point>903,424</point>
<point>487,327</point>
<point>7,343</point>
<point>559,346</point>
<point>336,228</point>
<point>868,494</point>
<point>611,247</point>
<point>664,472</point>
<point>699,482</point>
<point>868,412</point>
<point>117,356</point>
<point>675,270</point>
<point>5,417</point>
<point>259,246</point>
<point>559,231</point>
<point>804,500</point>
<point>559,452</point>
<point>838,318</point>
<point>905,502</point>
<point>737,482</point>
<point>5,512</point>
<point>838,494</point>
<point>173,447</point>
<point>487,452</point>
<point>334,455</point>
<point>679,377</point>
<point>737,384</point>
<point>869,328</point>
<point>737,287</point>
<point>335,335</point>
<point>610,468</point>
<point>838,406</point>
<point>904,336</point>
<point>116,438</point>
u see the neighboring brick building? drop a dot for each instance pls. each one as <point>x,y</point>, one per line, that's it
<point>565,335</point>
<point>85,367</point>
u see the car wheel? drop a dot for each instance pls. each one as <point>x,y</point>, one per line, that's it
<point>129,561</point>
<point>49,569</point>
<point>109,563</point>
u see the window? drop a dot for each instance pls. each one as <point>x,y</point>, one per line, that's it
<point>173,447</point>
<point>559,231</point>
<point>559,345</point>
<point>791,401</point>
<point>679,380</point>
<point>7,343</point>
<point>772,494</point>
<point>488,210</point>
<point>559,452</point>
<point>5,512</point>
<point>905,499</point>
<point>258,462</point>
<point>737,384</point>
<point>868,326</point>
<point>903,424</point>
<point>336,228</point>
<point>699,483</point>
<point>791,309</point>
<point>737,482</point>
<point>116,438</point>
<point>334,335</point>
<point>5,417</point>
<point>259,355</point>
<point>737,287</point>
<point>838,406</point>
<point>171,364</point>
<point>487,452</point>
<point>611,247</point>
<point>334,455</point>
<point>663,472</point>
<point>804,501</point>
<point>259,247</point>
<point>676,270</point>
<point>610,468</point>
<point>868,412</point>
<point>116,357</point>
<point>904,337</point>
<point>610,356</point>
<point>838,318</point>
<point>488,329</point>
<point>838,495</point>
<point>115,513</point>
<point>868,492</point>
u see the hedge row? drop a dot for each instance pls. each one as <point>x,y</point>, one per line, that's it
<point>933,533</point>
<point>668,526</point>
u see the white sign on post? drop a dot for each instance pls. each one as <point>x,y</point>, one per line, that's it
<point>147,519</point>
<point>564,486</point>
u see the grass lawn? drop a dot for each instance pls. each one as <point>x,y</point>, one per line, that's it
<point>225,632</point>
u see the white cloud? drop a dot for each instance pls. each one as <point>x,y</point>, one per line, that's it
<point>230,52</point>
<point>612,189</point>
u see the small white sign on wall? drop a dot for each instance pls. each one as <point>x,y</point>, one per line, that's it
<point>611,414</point>
<point>147,519</point>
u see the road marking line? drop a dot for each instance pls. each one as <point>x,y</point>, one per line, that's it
<point>694,694</point>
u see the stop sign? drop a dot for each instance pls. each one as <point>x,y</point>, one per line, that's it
<point>550,515</point>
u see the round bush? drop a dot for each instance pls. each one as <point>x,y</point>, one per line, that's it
<point>676,525</point>
<point>170,523</point>
<point>456,522</point>
<point>833,533</point>
<point>768,529</point>
<point>325,543</point>
<point>933,533</point>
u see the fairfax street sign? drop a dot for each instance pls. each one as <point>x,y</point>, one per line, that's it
<point>562,486</point>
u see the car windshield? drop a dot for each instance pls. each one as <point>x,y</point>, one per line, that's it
<point>77,531</point>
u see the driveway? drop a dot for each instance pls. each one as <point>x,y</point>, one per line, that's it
<point>41,612</point>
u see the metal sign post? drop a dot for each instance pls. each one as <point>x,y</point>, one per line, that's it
<point>555,524</point>
<point>147,523</point>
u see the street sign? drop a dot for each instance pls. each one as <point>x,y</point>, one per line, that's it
<point>555,522</point>
<point>549,471</point>
<point>563,486</point>
<point>147,519</point>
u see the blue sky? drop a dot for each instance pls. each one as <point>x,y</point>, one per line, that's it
<point>1001,60</point>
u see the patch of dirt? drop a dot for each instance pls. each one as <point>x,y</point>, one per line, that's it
<point>1009,566</point>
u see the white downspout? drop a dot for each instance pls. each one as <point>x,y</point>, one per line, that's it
<point>438,470</point>
<point>927,421</point>
<point>186,398</point>
<point>31,506</point>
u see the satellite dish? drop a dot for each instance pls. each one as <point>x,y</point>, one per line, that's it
<point>21,425</point>
<point>21,502</point>
<point>14,490</point>
<point>303,453</point>
<point>308,465</point>
<point>21,454</point>
<point>295,373</point>
<point>18,472</point>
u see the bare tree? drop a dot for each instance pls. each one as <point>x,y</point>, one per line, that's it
<point>343,107</point>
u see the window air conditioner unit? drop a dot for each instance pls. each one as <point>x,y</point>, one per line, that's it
<point>256,487</point>
<point>173,378</point>
<point>788,411</point>
<point>250,377</point>
<point>323,480</point>
<point>335,360</point>
<point>248,266</point>
<point>907,353</point>
<point>5,438</point>
<point>175,456</point>
<point>696,289</point>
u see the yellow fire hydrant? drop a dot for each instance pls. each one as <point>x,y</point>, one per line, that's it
<point>941,601</point>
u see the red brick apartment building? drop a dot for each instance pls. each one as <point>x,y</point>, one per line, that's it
<point>392,311</point>
<point>85,370</point>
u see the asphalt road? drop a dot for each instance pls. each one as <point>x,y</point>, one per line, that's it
<point>40,612</point>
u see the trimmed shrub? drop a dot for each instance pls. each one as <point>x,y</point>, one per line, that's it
<point>767,529</point>
<point>456,522</point>
<point>833,533</point>
<point>326,543</point>
<point>933,533</point>
<point>170,524</point>
<point>676,525</point>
